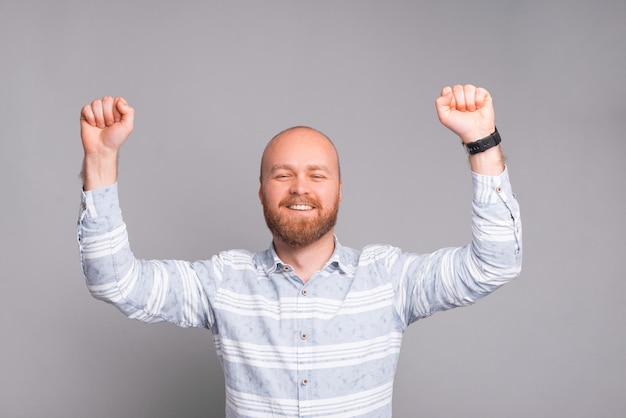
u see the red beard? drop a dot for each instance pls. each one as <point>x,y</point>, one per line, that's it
<point>300,231</point>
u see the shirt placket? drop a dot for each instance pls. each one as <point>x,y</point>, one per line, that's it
<point>305,382</point>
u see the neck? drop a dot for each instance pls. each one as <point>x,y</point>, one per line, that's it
<point>309,259</point>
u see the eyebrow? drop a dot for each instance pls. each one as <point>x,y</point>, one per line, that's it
<point>311,167</point>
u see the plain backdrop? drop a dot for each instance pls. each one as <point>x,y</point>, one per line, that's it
<point>211,82</point>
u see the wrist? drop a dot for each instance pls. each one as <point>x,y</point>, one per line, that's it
<point>99,171</point>
<point>483,144</point>
<point>485,154</point>
<point>489,162</point>
<point>477,134</point>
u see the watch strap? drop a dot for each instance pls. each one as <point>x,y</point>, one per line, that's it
<point>484,144</point>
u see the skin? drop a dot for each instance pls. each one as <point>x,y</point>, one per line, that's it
<point>300,163</point>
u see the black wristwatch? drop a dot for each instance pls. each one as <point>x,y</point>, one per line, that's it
<point>484,144</point>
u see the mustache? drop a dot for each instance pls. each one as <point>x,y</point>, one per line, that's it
<point>300,201</point>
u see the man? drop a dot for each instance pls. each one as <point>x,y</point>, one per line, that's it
<point>307,328</point>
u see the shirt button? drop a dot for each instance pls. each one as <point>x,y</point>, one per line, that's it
<point>304,292</point>
<point>305,382</point>
<point>499,189</point>
<point>304,335</point>
<point>286,268</point>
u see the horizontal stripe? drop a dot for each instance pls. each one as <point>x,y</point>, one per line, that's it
<point>292,308</point>
<point>359,403</point>
<point>104,245</point>
<point>313,357</point>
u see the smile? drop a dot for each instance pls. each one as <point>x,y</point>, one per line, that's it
<point>300,207</point>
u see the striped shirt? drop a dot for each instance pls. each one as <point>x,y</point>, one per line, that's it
<point>327,348</point>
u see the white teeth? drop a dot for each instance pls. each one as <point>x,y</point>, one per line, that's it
<point>300,207</point>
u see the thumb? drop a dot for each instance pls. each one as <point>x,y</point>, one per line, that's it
<point>445,99</point>
<point>126,111</point>
<point>483,98</point>
<point>444,103</point>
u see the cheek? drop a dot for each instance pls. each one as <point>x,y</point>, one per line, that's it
<point>330,200</point>
<point>332,194</point>
<point>270,195</point>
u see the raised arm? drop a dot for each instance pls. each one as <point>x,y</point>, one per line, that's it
<point>468,112</point>
<point>459,276</point>
<point>147,290</point>
<point>105,124</point>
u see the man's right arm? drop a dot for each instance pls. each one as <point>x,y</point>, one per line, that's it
<point>147,290</point>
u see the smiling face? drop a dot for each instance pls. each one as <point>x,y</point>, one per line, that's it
<point>300,186</point>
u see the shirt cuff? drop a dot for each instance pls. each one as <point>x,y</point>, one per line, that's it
<point>492,189</point>
<point>101,202</point>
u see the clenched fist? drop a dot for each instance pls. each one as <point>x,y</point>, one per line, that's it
<point>104,127</point>
<point>105,124</point>
<point>467,111</point>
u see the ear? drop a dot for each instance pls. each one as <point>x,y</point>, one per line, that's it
<point>261,189</point>
<point>340,186</point>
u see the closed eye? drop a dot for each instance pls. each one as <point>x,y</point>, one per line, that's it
<point>281,176</point>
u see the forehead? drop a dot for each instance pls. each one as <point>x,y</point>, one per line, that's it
<point>300,148</point>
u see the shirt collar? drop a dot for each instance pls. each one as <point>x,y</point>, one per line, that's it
<point>341,259</point>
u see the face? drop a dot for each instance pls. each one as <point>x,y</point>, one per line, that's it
<point>300,187</point>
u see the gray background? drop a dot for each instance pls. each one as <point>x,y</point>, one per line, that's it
<point>212,82</point>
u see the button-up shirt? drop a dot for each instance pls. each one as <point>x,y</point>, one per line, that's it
<point>325,348</point>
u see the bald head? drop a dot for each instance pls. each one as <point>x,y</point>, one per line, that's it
<point>304,138</point>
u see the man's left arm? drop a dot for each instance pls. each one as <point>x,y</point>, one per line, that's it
<point>454,277</point>
<point>468,112</point>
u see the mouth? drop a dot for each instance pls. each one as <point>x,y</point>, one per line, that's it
<point>301,207</point>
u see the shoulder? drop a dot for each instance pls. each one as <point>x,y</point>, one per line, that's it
<point>377,252</point>
<point>370,254</point>
<point>236,258</point>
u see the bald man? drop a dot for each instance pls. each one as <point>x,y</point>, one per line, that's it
<point>308,327</point>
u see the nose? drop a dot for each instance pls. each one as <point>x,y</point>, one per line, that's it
<point>299,186</point>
